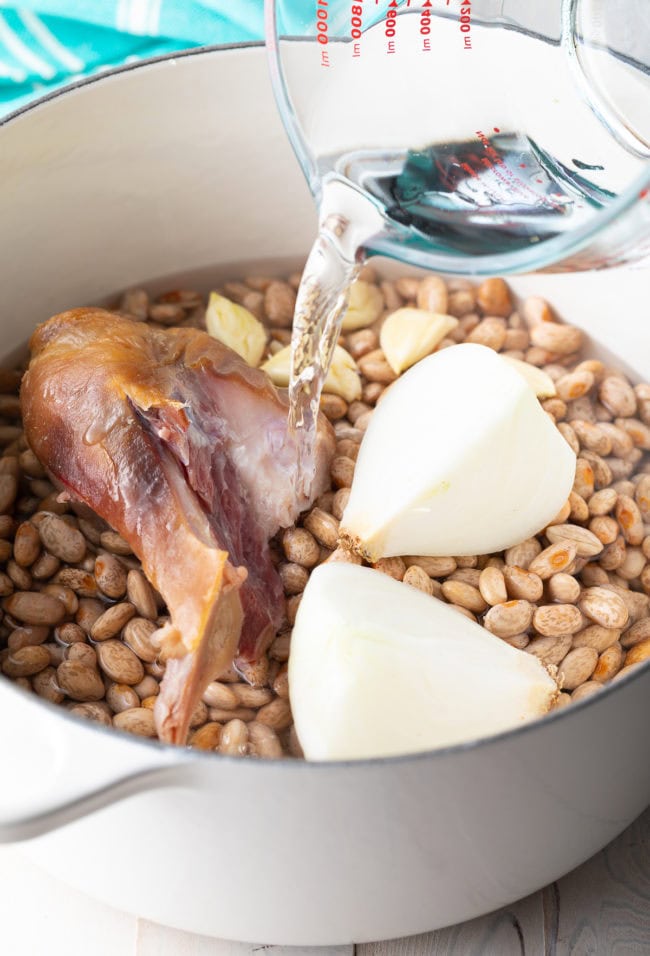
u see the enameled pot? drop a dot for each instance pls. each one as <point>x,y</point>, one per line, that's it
<point>181,167</point>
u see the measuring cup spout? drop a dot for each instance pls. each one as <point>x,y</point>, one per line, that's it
<point>349,218</point>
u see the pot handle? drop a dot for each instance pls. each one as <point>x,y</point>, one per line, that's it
<point>29,827</point>
<point>56,768</point>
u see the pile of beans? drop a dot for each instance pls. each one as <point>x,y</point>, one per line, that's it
<point>78,614</point>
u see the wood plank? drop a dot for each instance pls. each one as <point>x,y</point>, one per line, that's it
<point>40,915</point>
<point>508,932</point>
<point>154,940</point>
<point>603,907</point>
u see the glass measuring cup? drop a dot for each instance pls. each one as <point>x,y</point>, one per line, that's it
<point>472,136</point>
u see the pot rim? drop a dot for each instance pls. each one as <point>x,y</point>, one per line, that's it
<point>75,85</point>
<point>184,753</point>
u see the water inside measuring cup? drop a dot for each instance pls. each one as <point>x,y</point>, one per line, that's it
<point>496,192</point>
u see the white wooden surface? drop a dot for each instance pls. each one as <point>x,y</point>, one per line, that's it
<point>601,909</point>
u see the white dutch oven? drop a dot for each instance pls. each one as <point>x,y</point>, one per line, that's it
<point>171,168</point>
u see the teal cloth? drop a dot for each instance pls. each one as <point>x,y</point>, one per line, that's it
<point>45,44</point>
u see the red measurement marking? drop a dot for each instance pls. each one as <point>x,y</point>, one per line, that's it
<point>322,29</point>
<point>425,25</point>
<point>644,194</point>
<point>390,25</point>
<point>356,23</point>
<point>492,160</point>
<point>465,23</point>
<point>496,129</point>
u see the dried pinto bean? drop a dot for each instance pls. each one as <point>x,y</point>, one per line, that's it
<point>8,492</point>
<point>79,581</point>
<point>602,502</point>
<point>609,663</point>
<point>27,545</point>
<point>137,720</point>
<point>492,585</point>
<point>79,681</point>
<point>32,607</point>
<point>604,608</point>
<point>110,575</point>
<point>61,539</point>
<point>221,696</point>
<point>112,621</point>
<point>263,741</point>
<point>66,596</point>
<point>97,711</point>
<point>638,653</point>
<point>70,633</point>
<point>119,662</point>
<point>89,611</point>
<point>563,588</point>
<point>45,685</point>
<point>586,690</point>
<point>557,557</point>
<point>629,518</point>
<point>617,396</point>
<point>393,567</point>
<point>464,595</point>
<point>521,555</point>
<point>554,619</point>
<point>506,620</point>
<point>586,543</point>
<point>523,585</point>
<point>640,631</point>
<point>138,635</point>
<point>20,577</point>
<point>26,661</point>
<point>141,595</point>
<point>577,667</point>
<point>416,577</point>
<point>27,636</point>
<point>294,578</point>
<point>300,547</point>
<point>115,543</point>
<point>234,739</point>
<point>81,652</point>
<point>550,650</point>
<point>206,737</point>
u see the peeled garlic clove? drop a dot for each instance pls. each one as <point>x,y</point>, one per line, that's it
<point>541,383</point>
<point>342,379</point>
<point>365,305</point>
<point>278,367</point>
<point>379,668</point>
<point>236,327</point>
<point>458,458</point>
<point>408,335</point>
